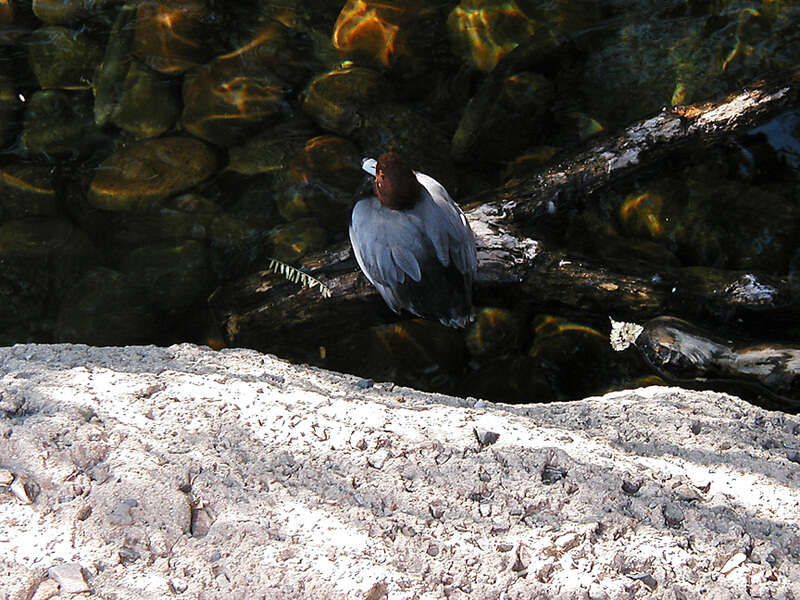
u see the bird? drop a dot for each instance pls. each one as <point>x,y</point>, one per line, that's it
<point>414,244</point>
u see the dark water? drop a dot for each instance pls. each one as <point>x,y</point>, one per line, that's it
<point>154,152</point>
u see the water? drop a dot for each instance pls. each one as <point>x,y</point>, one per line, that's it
<point>156,154</point>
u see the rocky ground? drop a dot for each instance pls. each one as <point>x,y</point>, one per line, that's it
<point>145,472</point>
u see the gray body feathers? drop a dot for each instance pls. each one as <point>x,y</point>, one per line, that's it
<point>422,259</point>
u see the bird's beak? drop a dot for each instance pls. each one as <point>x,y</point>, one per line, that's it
<point>368,164</point>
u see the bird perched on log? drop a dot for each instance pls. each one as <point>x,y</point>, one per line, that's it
<point>414,243</point>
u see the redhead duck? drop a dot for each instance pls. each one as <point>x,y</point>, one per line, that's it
<point>414,243</point>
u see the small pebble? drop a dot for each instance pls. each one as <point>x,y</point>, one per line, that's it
<point>22,489</point>
<point>365,384</point>
<point>551,474</point>
<point>733,562</point>
<point>69,578</point>
<point>596,592</point>
<point>567,541</point>
<point>486,437</point>
<point>436,508</point>
<point>201,521</point>
<point>523,559</point>
<point>6,477</point>
<point>357,440</point>
<point>631,487</point>
<point>121,515</point>
<point>378,459</point>
<point>673,514</point>
<point>46,590</point>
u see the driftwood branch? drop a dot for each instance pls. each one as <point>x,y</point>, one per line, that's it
<point>267,312</point>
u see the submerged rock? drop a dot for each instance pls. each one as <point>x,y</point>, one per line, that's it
<point>510,122</point>
<point>319,182</point>
<point>396,127</point>
<point>9,108</point>
<point>483,31</point>
<point>106,308</point>
<point>188,216</point>
<point>174,275</point>
<point>148,105</point>
<point>170,35</point>
<point>333,159</point>
<point>137,177</point>
<point>494,332</point>
<point>337,99</point>
<point>27,190</point>
<point>271,150</point>
<point>682,213</point>
<point>59,123</point>
<point>38,257</point>
<point>58,12</point>
<point>376,30</point>
<point>560,346</point>
<point>223,103</point>
<point>63,59</point>
<point>109,77</point>
<point>296,239</point>
<point>420,353</point>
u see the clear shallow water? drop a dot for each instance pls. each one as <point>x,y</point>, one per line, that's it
<point>151,152</point>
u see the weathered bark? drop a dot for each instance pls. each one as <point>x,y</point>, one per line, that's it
<point>688,355</point>
<point>266,312</point>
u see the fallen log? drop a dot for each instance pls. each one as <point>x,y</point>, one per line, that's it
<point>265,311</point>
<point>685,354</point>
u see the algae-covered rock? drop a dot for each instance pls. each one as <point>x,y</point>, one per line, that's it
<point>223,104</point>
<point>376,31</point>
<point>9,108</point>
<point>58,12</point>
<point>63,59</point>
<point>174,275</point>
<point>188,216</point>
<point>494,332</point>
<point>107,308</point>
<point>148,105</point>
<point>27,190</point>
<point>335,100</point>
<point>483,31</point>
<point>296,239</point>
<point>271,150</point>
<point>58,122</point>
<point>135,178</point>
<point>170,35</point>
<point>38,257</point>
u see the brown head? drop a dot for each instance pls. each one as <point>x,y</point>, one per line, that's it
<point>395,183</point>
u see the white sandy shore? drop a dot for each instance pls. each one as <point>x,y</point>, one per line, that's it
<point>143,472</point>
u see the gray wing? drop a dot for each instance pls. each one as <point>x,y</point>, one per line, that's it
<point>387,244</point>
<point>447,228</point>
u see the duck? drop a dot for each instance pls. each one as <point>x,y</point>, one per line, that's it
<point>413,243</point>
